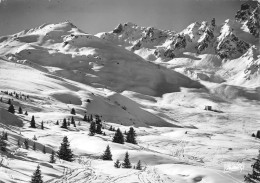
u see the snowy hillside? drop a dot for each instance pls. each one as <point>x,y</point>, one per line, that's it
<point>186,104</point>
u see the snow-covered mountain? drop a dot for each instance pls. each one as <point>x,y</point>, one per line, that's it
<point>157,81</point>
<point>88,59</point>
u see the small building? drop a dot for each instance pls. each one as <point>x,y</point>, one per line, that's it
<point>208,108</point>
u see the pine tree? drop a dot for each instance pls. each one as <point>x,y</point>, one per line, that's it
<point>117,164</point>
<point>26,113</point>
<point>130,137</point>
<point>19,143</point>
<point>37,178</point>
<point>52,157</point>
<point>2,144</point>
<point>33,122</point>
<point>26,144</point>
<point>258,134</point>
<point>138,165</point>
<point>57,122</point>
<point>91,118</point>
<point>44,150</point>
<point>73,111</point>
<point>92,128</point>
<point>34,146</point>
<point>107,154</point>
<point>72,120</point>
<point>111,128</point>
<point>42,126</point>
<point>75,125</point>
<point>99,128</point>
<point>11,109</point>
<point>64,124</point>
<point>254,177</point>
<point>9,101</point>
<point>1,99</point>
<point>34,137</point>
<point>20,110</point>
<point>85,118</point>
<point>5,136</point>
<point>65,152</point>
<point>118,137</point>
<point>126,163</point>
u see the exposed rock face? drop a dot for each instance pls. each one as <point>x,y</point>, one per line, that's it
<point>250,17</point>
<point>228,44</point>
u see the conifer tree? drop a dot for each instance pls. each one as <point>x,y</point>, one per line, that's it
<point>65,152</point>
<point>254,177</point>
<point>37,177</point>
<point>117,164</point>
<point>20,111</point>
<point>111,128</point>
<point>44,150</point>
<point>130,137</point>
<point>107,154</point>
<point>34,137</point>
<point>26,144</point>
<point>138,165</point>
<point>72,120</point>
<point>57,122</point>
<point>99,128</point>
<point>52,157</point>
<point>126,163</point>
<point>64,124</point>
<point>9,101</point>
<point>33,122</point>
<point>19,143</point>
<point>11,109</point>
<point>1,99</point>
<point>42,126</point>
<point>85,118</point>
<point>2,144</point>
<point>91,118</point>
<point>34,146</point>
<point>5,136</point>
<point>92,128</point>
<point>118,137</point>
<point>26,113</point>
<point>73,111</point>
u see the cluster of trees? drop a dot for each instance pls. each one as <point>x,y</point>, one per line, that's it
<point>130,136</point>
<point>107,155</point>
<point>254,177</point>
<point>257,134</point>
<point>127,164</point>
<point>66,123</point>
<point>16,95</point>
<point>11,108</point>
<point>95,126</point>
<point>64,153</point>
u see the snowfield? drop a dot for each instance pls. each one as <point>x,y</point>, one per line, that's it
<point>121,77</point>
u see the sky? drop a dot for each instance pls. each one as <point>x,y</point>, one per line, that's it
<point>94,16</point>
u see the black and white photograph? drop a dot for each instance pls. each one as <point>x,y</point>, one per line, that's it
<point>129,91</point>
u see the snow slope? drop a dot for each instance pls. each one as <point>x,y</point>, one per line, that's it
<point>156,81</point>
